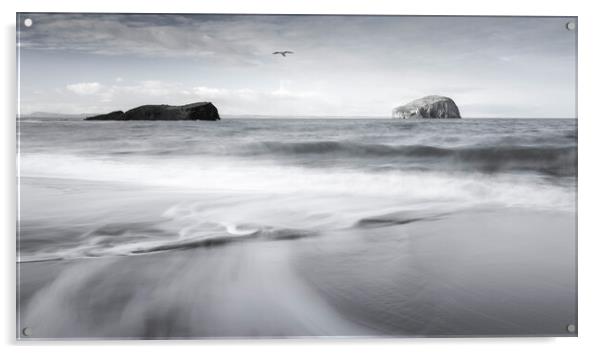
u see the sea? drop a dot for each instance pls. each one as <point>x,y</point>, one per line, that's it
<point>296,228</point>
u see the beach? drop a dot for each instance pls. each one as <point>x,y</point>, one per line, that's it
<point>296,229</point>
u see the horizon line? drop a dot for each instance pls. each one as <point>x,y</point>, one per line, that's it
<point>278,116</point>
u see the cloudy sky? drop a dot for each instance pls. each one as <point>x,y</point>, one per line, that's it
<point>342,66</point>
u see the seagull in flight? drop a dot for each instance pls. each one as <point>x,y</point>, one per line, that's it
<point>284,53</point>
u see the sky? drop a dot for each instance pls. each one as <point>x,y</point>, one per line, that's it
<point>342,66</point>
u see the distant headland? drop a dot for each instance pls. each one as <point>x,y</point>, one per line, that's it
<point>193,111</point>
<point>428,107</point>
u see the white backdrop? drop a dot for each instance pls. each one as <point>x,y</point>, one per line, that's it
<point>590,126</point>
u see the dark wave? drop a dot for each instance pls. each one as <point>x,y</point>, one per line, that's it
<point>552,160</point>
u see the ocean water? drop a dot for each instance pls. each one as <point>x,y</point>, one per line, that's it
<point>463,160</point>
<point>335,226</point>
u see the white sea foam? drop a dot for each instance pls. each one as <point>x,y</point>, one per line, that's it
<point>233,175</point>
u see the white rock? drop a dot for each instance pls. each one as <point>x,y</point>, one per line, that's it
<point>428,107</point>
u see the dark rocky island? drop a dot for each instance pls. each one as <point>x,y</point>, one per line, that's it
<point>193,111</point>
<point>428,107</point>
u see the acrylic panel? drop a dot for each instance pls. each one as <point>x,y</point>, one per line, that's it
<point>191,176</point>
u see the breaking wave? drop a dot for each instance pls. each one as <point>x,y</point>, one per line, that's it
<point>219,175</point>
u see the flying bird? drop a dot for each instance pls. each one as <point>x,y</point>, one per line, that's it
<point>284,53</point>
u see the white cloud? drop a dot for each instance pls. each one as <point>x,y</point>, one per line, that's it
<point>210,92</point>
<point>85,88</point>
<point>286,93</point>
<point>146,90</point>
<point>154,88</point>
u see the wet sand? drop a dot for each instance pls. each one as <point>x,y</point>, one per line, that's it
<point>491,271</point>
